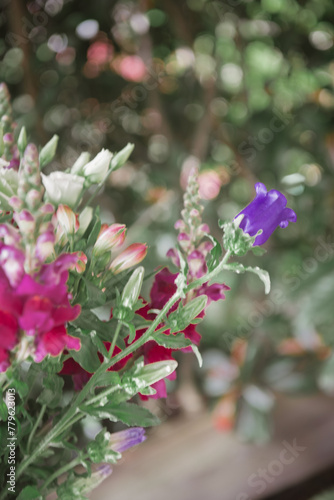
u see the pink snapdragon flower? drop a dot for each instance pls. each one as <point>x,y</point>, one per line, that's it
<point>37,306</point>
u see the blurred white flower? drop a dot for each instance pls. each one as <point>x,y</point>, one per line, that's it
<point>63,188</point>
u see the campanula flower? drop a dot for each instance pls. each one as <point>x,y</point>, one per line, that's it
<point>266,212</point>
<point>123,440</point>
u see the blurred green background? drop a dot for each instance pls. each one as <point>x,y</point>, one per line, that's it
<point>245,90</point>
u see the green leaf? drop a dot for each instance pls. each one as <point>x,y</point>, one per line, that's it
<point>87,356</point>
<point>94,229</point>
<point>215,253</point>
<point>108,379</point>
<point>21,387</point>
<point>128,413</point>
<point>132,331</point>
<point>184,315</point>
<point>198,355</point>
<point>3,411</point>
<point>173,341</point>
<point>258,251</point>
<point>98,343</point>
<point>89,321</point>
<point>52,392</point>
<point>261,273</point>
<point>94,295</point>
<point>29,493</point>
<point>133,415</point>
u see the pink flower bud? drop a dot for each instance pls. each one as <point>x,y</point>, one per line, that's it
<point>205,247</point>
<point>47,209</point>
<point>8,138</point>
<point>194,212</point>
<point>184,240</point>
<point>130,257</point>
<point>9,234</point>
<point>67,219</point>
<point>109,237</point>
<point>204,228</point>
<point>33,198</point>
<point>197,264</point>
<point>12,263</point>
<point>25,221</point>
<point>173,255</point>
<point>44,246</point>
<point>80,265</point>
<point>179,224</point>
<point>15,203</point>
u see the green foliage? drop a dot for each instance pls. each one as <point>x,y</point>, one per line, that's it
<point>128,413</point>
<point>184,315</point>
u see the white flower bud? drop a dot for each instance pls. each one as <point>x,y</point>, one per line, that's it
<point>48,151</point>
<point>96,170</point>
<point>80,163</point>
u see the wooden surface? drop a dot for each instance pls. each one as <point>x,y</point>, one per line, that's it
<point>187,459</point>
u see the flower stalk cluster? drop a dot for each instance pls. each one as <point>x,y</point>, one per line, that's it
<point>69,309</point>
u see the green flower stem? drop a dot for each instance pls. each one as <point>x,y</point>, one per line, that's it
<point>114,340</point>
<point>62,470</point>
<point>101,395</point>
<point>73,411</point>
<point>149,332</point>
<point>38,421</point>
<point>63,423</point>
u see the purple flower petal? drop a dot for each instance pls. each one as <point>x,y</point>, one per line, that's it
<point>266,212</point>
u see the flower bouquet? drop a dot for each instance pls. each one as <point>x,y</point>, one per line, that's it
<point>78,340</point>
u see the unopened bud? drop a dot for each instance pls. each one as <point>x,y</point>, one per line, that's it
<point>80,163</point>
<point>130,257</point>
<point>109,237</point>
<point>121,157</point>
<point>96,170</point>
<point>22,141</point>
<point>48,151</point>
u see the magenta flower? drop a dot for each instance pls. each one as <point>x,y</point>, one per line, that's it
<point>54,342</point>
<point>8,338</point>
<point>37,306</point>
<point>266,212</point>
